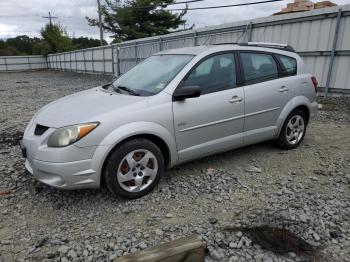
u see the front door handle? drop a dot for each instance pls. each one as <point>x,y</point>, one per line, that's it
<point>236,99</point>
<point>284,89</point>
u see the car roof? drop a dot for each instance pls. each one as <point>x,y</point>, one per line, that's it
<point>192,50</point>
<point>196,50</point>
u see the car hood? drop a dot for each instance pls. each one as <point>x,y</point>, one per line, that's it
<point>85,106</point>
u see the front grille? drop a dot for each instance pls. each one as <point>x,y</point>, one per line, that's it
<point>39,130</point>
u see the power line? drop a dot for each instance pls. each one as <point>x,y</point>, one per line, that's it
<point>50,17</point>
<point>209,7</point>
<point>172,9</point>
<point>186,2</point>
<point>39,16</point>
<point>223,6</point>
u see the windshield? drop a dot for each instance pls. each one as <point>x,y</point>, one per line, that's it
<point>152,75</point>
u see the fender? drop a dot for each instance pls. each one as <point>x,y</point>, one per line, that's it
<point>133,129</point>
<point>290,106</point>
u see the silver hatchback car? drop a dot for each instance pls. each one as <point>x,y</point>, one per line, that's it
<point>176,106</point>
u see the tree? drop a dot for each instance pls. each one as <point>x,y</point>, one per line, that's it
<point>85,42</point>
<point>56,38</point>
<point>50,43</point>
<point>2,43</point>
<point>137,18</point>
<point>41,47</point>
<point>9,51</point>
<point>22,43</point>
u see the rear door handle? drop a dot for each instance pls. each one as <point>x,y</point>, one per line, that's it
<point>284,89</point>
<point>236,99</point>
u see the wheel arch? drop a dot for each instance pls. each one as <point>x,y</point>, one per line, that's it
<point>305,110</point>
<point>151,131</point>
<point>299,102</point>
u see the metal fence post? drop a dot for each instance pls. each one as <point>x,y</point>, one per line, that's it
<point>334,46</point>
<point>195,38</point>
<point>112,51</point>
<point>250,31</point>
<point>76,61</point>
<point>92,60</point>
<point>30,68</point>
<point>6,66</point>
<point>160,44</point>
<point>118,61</point>
<point>70,61</point>
<point>104,60</point>
<point>136,53</point>
<point>84,60</point>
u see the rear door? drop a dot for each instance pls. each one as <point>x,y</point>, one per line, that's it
<point>266,94</point>
<point>214,121</point>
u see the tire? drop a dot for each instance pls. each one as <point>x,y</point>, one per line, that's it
<point>286,139</point>
<point>134,168</point>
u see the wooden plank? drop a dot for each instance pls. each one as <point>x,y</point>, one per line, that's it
<point>186,249</point>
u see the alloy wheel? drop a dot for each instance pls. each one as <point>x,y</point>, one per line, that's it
<point>137,170</point>
<point>295,129</point>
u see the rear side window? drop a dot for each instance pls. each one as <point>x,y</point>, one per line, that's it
<point>258,67</point>
<point>289,65</point>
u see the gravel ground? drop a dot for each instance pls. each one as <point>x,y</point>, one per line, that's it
<point>305,191</point>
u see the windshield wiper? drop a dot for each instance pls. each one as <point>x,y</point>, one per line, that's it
<point>130,91</point>
<point>105,86</point>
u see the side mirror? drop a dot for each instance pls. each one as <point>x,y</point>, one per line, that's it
<point>184,92</point>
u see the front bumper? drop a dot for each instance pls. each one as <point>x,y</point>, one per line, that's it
<point>69,175</point>
<point>70,167</point>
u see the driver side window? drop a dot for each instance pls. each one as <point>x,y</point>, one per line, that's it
<point>217,73</point>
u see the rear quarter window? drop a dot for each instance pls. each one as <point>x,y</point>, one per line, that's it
<point>288,64</point>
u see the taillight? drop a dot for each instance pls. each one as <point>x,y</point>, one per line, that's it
<point>315,82</point>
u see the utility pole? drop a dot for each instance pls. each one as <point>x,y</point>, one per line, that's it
<point>100,21</point>
<point>50,17</point>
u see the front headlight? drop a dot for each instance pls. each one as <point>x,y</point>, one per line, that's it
<point>68,135</point>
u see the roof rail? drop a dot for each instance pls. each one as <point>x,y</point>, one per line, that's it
<point>226,43</point>
<point>269,45</point>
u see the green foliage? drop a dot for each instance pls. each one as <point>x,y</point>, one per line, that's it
<point>131,20</point>
<point>22,43</point>
<point>85,42</point>
<point>56,38</point>
<point>9,51</point>
<point>41,48</point>
<point>2,43</point>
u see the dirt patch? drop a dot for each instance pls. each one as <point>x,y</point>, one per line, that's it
<point>278,240</point>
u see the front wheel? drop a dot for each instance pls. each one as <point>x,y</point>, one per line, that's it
<point>134,168</point>
<point>293,130</point>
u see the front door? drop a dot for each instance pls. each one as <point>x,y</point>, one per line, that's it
<point>214,121</point>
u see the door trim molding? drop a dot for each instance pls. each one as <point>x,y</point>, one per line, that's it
<point>212,123</point>
<point>262,111</point>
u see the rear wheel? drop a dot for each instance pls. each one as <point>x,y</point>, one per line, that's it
<point>134,168</point>
<point>293,130</point>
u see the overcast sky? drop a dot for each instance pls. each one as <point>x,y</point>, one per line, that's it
<point>26,16</point>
